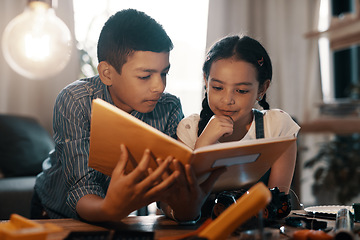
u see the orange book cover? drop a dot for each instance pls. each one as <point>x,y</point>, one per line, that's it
<point>246,160</point>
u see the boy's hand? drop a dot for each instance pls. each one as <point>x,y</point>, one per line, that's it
<point>139,188</point>
<point>187,196</point>
<point>217,127</point>
<point>127,193</point>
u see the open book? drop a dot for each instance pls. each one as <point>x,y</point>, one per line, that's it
<point>247,161</point>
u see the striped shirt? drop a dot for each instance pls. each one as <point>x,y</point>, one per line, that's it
<point>69,178</point>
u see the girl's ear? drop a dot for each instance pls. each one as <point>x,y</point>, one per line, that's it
<point>264,88</point>
<point>104,70</point>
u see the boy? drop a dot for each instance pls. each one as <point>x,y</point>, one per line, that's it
<point>133,54</point>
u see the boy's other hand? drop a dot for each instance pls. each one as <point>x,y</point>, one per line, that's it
<point>187,196</point>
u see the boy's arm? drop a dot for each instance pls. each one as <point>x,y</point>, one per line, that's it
<point>71,135</point>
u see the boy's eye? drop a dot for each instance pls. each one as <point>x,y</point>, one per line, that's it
<point>145,77</point>
<point>164,74</point>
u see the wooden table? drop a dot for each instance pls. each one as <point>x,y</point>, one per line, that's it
<point>157,225</point>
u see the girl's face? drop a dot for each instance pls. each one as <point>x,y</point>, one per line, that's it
<point>232,89</point>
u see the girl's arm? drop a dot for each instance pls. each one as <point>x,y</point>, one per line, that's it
<point>283,169</point>
<point>217,127</point>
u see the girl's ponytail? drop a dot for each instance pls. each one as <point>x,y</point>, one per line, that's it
<point>263,103</point>
<point>205,115</point>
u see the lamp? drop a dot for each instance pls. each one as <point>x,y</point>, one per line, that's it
<point>37,44</point>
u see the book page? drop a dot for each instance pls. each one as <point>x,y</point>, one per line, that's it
<point>246,161</point>
<point>227,162</point>
<point>228,145</point>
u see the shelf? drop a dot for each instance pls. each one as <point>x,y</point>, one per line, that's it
<point>343,32</point>
<point>335,125</point>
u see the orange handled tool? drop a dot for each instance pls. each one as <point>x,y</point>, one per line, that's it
<point>248,205</point>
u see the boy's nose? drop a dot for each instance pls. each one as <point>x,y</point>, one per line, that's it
<point>158,84</point>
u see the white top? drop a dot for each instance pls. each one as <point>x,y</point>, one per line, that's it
<point>276,123</point>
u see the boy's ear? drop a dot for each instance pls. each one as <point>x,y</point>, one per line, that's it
<point>104,70</point>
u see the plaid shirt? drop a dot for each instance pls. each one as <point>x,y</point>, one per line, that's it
<point>69,178</point>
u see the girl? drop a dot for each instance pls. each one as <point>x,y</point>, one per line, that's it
<point>237,74</point>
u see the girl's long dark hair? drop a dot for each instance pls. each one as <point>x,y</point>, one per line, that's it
<point>240,48</point>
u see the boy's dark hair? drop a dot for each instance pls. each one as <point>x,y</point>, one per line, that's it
<point>240,48</point>
<point>128,31</point>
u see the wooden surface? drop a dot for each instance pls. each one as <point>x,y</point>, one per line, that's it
<point>158,224</point>
<point>69,225</point>
<point>161,227</point>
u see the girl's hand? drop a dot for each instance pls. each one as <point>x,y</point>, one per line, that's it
<point>127,193</point>
<point>217,127</point>
<point>186,197</point>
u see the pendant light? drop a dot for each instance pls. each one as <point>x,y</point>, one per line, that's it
<point>37,44</point>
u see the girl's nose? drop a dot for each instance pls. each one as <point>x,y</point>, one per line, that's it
<point>229,99</point>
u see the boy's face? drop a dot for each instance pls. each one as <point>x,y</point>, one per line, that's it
<point>141,82</point>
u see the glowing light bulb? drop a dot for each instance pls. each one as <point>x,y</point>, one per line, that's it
<point>36,43</point>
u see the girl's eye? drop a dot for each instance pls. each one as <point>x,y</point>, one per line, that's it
<point>242,91</point>
<point>217,88</point>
